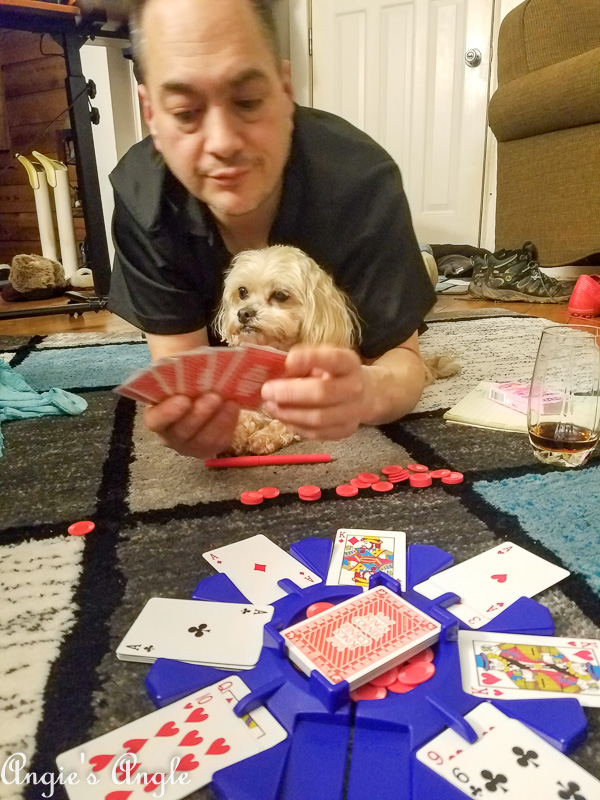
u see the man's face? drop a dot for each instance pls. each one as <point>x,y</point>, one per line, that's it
<point>217,104</point>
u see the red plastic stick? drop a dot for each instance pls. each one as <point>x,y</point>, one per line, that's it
<point>267,461</point>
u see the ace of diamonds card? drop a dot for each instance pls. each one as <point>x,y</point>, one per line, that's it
<point>256,565</point>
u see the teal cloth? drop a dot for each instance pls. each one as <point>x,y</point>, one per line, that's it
<point>19,401</point>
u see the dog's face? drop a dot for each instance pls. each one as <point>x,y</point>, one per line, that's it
<point>279,296</point>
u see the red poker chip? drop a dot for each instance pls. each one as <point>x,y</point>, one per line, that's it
<point>269,491</point>
<point>417,468</point>
<point>346,490</point>
<point>417,672</point>
<point>400,688</point>
<point>251,498</point>
<point>309,490</point>
<point>419,480</point>
<point>424,655</point>
<point>392,469</point>
<point>382,486</point>
<point>81,528</point>
<point>454,477</point>
<point>440,473</point>
<point>369,692</point>
<point>400,476</point>
<point>316,608</point>
<point>386,679</point>
<point>368,477</point>
<point>359,484</point>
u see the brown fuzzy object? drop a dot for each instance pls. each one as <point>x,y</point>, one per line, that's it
<point>31,272</point>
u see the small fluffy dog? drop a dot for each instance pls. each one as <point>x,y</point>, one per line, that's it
<point>279,296</point>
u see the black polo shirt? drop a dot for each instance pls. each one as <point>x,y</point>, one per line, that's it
<point>342,203</point>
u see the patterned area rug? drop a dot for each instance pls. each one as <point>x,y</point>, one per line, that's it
<point>66,601</point>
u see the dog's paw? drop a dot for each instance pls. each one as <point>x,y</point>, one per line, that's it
<point>248,423</point>
<point>271,438</point>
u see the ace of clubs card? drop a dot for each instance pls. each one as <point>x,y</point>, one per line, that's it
<point>228,635</point>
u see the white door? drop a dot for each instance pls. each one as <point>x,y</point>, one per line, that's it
<point>397,69</point>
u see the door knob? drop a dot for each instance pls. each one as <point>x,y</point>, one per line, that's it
<point>473,57</point>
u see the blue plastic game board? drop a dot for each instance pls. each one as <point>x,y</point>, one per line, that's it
<point>311,764</point>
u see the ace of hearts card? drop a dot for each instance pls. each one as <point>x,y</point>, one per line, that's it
<point>490,582</point>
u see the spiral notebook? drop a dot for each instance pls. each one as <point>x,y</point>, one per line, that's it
<point>479,411</point>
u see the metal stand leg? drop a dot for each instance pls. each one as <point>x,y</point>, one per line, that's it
<point>87,173</point>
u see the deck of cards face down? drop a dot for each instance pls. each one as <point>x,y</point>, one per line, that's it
<point>234,373</point>
<point>360,638</point>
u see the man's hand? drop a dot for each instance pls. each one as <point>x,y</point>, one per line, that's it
<point>322,395</point>
<point>200,428</point>
<point>327,393</point>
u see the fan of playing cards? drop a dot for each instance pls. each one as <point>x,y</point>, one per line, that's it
<point>363,640</point>
<point>234,373</point>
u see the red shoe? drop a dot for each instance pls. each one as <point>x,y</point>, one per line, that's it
<point>585,299</point>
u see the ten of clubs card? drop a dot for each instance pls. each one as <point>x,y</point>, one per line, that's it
<point>226,635</point>
<point>522,667</point>
<point>508,760</point>
<point>173,751</point>
<point>361,638</point>
<point>255,566</point>
<point>357,554</point>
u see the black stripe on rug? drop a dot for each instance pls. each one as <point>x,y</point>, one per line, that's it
<point>99,592</point>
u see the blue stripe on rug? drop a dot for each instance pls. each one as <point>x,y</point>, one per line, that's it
<point>558,509</point>
<point>83,367</point>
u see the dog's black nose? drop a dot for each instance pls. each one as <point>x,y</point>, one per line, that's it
<point>245,314</point>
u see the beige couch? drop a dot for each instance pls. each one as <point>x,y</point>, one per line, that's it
<point>545,115</point>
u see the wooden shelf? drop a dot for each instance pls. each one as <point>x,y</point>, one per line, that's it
<point>39,7</point>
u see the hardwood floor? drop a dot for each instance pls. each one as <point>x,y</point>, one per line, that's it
<point>90,321</point>
<point>105,322</point>
<point>551,311</point>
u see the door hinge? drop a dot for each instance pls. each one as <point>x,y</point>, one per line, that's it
<point>310,49</point>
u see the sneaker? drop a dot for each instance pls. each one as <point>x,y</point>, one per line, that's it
<point>515,278</point>
<point>527,253</point>
<point>585,300</point>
